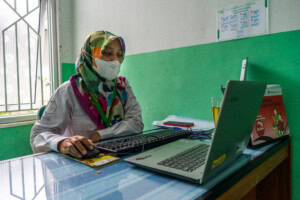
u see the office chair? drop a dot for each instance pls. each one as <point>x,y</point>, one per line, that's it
<point>40,112</point>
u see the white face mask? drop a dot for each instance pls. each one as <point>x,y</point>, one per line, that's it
<point>107,69</point>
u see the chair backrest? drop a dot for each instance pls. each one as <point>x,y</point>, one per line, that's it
<point>40,112</point>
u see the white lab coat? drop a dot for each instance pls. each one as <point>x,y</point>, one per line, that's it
<point>64,117</point>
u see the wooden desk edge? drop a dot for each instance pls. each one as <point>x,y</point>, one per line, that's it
<point>246,184</point>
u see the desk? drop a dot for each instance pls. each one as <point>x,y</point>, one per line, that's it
<point>267,176</point>
<point>51,176</point>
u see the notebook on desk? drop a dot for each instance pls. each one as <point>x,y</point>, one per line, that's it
<point>198,161</point>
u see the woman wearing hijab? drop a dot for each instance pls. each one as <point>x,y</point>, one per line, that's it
<point>94,104</point>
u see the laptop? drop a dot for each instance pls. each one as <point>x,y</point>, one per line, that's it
<point>198,161</point>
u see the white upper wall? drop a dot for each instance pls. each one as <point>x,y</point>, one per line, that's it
<point>153,25</point>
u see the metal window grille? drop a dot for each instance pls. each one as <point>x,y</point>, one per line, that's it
<point>25,73</point>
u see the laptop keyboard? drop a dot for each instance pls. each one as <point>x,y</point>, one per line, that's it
<point>188,160</point>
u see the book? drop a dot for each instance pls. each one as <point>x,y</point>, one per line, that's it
<point>99,161</point>
<point>271,122</point>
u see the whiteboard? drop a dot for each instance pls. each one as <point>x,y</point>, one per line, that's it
<point>243,20</point>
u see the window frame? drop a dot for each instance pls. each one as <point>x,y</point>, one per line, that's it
<point>55,69</point>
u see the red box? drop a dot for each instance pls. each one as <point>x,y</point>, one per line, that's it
<point>271,122</point>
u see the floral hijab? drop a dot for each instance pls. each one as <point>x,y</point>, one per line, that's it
<point>94,93</point>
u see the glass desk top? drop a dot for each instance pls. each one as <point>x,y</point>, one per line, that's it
<point>52,176</point>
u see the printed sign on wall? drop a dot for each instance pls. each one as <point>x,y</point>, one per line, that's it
<point>243,20</point>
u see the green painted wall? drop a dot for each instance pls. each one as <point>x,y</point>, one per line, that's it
<point>14,142</point>
<point>68,69</point>
<point>181,81</point>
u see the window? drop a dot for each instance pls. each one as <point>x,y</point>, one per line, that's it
<point>28,61</point>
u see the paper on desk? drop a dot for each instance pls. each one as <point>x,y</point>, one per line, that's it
<point>199,125</point>
<point>95,162</point>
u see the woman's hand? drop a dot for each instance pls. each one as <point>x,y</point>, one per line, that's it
<point>75,146</point>
<point>95,137</point>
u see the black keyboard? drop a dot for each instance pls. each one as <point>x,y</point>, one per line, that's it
<point>188,160</point>
<point>138,143</point>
